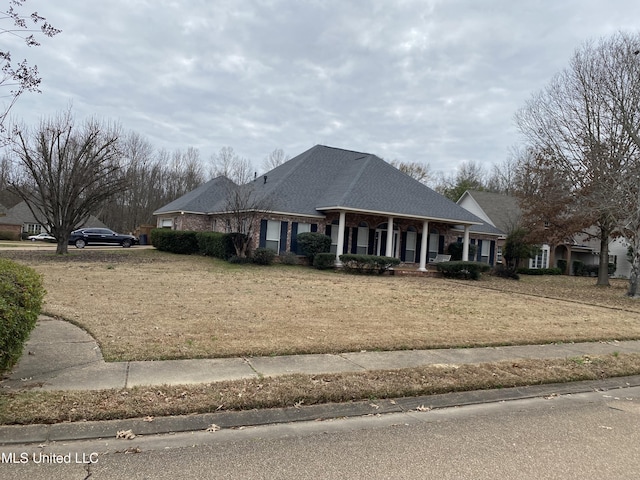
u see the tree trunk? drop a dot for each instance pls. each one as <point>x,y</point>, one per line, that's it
<point>635,269</point>
<point>603,270</point>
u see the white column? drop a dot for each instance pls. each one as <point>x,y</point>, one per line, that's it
<point>465,244</point>
<point>423,246</point>
<point>340,245</point>
<point>389,252</point>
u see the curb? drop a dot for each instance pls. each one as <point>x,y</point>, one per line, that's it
<point>91,430</point>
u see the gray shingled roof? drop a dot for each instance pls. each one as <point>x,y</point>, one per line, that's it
<point>503,210</point>
<point>207,198</point>
<point>20,214</point>
<point>326,178</point>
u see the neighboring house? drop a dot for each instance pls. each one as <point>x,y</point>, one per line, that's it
<point>503,212</point>
<point>364,204</point>
<point>19,219</point>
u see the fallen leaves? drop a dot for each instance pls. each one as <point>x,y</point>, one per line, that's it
<point>125,435</point>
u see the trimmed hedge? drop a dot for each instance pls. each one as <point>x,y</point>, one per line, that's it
<point>263,256</point>
<point>216,244</point>
<point>367,263</point>
<point>540,271</point>
<point>211,244</point>
<point>312,243</point>
<point>21,295</point>
<point>324,261</point>
<point>462,270</point>
<point>174,241</point>
<point>580,269</point>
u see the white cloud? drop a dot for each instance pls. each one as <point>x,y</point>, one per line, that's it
<point>435,81</point>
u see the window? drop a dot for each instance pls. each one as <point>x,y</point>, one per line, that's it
<point>301,228</point>
<point>541,259</point>
<point>498,254</point>
<point>166,223</point>
<point>434,241</point>
<point>34,228</point>
<point>334,238</point>
<point>362,247</point>
<point>410,249</point>
<point>484,251</point>
<point>273,235</point>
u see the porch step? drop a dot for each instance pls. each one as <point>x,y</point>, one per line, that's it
<point>413,272</point>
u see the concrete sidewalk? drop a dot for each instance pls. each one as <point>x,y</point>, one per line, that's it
<point>61,356</point>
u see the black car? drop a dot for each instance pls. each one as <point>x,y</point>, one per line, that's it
<point>100,236</point>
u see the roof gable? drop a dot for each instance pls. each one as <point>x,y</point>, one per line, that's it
<point>502,210</point>
<point>208,197</point>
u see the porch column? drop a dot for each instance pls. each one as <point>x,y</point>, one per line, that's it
<point>340,245</point>
<point>389,252</point>
<point>423,246</point>
<point>465,244</point>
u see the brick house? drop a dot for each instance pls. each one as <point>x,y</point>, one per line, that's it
<point>363,203</point>
<point>504,213</point>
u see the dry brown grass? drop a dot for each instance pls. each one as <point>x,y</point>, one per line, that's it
<point>292,390</point>
<point>144,304</point>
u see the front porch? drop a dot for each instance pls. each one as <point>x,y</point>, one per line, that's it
<point>414,241</point>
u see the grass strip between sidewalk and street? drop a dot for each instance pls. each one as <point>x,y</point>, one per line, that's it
<point>30,407</point>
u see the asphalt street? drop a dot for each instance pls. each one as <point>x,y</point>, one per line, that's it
<point>581,436</point>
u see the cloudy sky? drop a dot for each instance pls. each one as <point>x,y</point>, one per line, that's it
<point>433,81</point>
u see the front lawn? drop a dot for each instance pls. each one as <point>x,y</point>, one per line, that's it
<point>145,304</point>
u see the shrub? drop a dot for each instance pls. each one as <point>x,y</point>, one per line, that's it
<point>216,244</point>
<point>289,258</point>
<point>593,270</point>
<point>578,268</point>
<point>463,270</point>
<point>455,250</point>
<point>324,261</point>
<point>504,272</point>
<point>313,243</point>
<point>7,235</point>
<point>239,260</point>
<point>174,241</point>
<point>562,265</point>
<point>367,263</point>
<point>540,271</point>
<point>263,256</point>
<point>21,295</point>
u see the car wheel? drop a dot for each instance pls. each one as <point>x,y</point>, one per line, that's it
<point>80,243</point>
<point>33,239</point>
<point>126,243</point>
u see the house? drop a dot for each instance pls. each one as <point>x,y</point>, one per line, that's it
<point>20,220</point>
<point>503,212</point>
<point>363,203</point>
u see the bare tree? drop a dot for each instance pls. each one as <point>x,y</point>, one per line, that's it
<point>574,120</point>
<point>66,172</point>
<point>275,159</point>
<point>468,176</point>
<point>244,207</point>
<point>503,177</point>
<point>229,164</point>
<point>416,170</point>
<point>20,77</point>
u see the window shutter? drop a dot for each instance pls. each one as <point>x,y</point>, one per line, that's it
<point>284,228</point>
<point>263,233</point>
<point>354,240</point>
<point>492,252</point>
<point>294,237</point>
<point>403,246</point>
<point>441,244</point>
<point>314,227</point>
